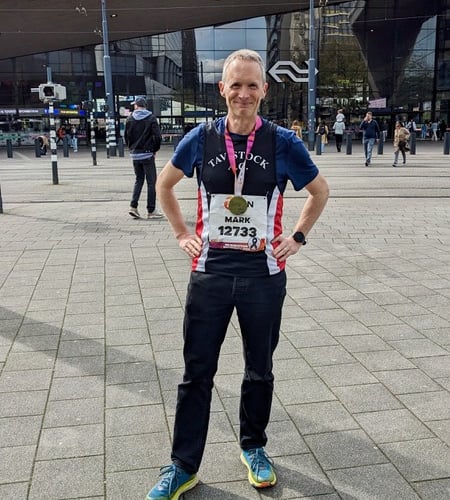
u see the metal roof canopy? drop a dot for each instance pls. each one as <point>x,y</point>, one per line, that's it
<point>35,26</point>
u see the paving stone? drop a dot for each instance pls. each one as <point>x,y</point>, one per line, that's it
<point>392,425</point>
<point>70,441</point>
<point>307,390</point>
<point>13,491</point>
<point>127,337</point>
<point>435,367</point>
<point>345,374</point>
<point>313,338</point>
<point>68,478</point>
<point>315,418</point>
<point>134,420</point>
<point>343,449</point>
<point>326,355</point>
<point>79,366</point>
<point>27,380</point>
<point>407,381</point>
<point>418,348</point>
<point>36,343</point>
<point>419,460</point>
<point>20,431</point>
<point>17,404</point>
<point>30,360</point>
<point>432,490</point>
<point>137,451</point>
<point>351,327</point>
<point>383,360</point>
<point>76,388</point>
<point>368,397</point>
<point>74,412</point>
<point>295,368</point>
<point>371,482</point>
<point>363,343</point>
<point>127,373</point>
<point>16,463</point>
<point>130,484</point>
<point>78,348</point>
<point>428,405</point>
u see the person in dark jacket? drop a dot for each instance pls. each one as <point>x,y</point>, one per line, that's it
<point>371,134</point>
<point>143,138</point>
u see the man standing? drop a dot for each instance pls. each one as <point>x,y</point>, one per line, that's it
<point>371,134</point>
<point>242,164</point>
<point>143,138</point>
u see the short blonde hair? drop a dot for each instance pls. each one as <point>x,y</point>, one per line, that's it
<point>244,55</point>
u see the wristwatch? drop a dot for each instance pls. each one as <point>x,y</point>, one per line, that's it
<point>299,237</point>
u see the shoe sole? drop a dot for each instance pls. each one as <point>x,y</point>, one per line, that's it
<point>255,484</point>
<point>188,485</point>
<point>135,216</point>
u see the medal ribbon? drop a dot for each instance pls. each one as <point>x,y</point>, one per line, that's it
<point>239,178</point>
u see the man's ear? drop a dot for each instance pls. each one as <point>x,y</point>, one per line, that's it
<point>221,87</point>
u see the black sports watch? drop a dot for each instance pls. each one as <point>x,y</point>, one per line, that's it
<point>299,237</point>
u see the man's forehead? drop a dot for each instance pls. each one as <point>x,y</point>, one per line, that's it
<point>244,71</point>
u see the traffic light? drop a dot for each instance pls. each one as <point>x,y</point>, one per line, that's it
<point>52,92</point>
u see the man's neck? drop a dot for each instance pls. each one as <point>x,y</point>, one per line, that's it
<point>242,126</point>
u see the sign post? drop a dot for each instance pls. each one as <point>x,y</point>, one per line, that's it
<point>48,93</point>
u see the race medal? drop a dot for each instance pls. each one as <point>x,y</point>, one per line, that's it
<point>237,205</point>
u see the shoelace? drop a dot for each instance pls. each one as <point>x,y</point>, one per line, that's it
<point>169,473</point>
<point>259,460</point>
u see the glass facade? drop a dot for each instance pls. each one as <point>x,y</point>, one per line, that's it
<point>369,54</point>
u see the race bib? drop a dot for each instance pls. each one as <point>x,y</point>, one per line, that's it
<point>245,230</point>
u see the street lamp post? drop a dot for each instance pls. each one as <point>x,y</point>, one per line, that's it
<point>311,78</point>
<point>109,110</point>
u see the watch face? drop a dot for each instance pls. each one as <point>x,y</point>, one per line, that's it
<point>299,237</point>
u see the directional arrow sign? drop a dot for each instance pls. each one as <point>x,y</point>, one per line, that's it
<point>291,70</point>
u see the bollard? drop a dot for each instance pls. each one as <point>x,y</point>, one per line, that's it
<point>412,143</point>
<point>380,144</point>
<point>1,202</point>
<point>318,144</point>
<point>446,143</point>
<point>37,148</point>
<point>349,143</point>
<point>121,147</point>
<point>65,146</point>
<point>9,150</point>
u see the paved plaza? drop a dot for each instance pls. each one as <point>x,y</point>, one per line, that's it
<point>91,307</point>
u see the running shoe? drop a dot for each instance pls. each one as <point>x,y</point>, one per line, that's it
<point>173,483</point>
<point>260,467</point>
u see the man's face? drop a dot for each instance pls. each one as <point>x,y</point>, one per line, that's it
<point>243,88</point>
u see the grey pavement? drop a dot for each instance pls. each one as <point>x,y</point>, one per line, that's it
<point>91,306</point>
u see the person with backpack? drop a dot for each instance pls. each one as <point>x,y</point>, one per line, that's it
<point>322,131</point>
<point>143,138</point>
<point>339,129</point>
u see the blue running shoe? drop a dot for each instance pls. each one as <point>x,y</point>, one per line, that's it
<point>260,468</point>
<point>173,483</point>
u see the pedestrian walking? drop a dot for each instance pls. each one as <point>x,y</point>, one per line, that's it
<point>143,138</point>
<point>401,137</point>
<point>339,129</point>
<point>371,135</point>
